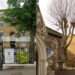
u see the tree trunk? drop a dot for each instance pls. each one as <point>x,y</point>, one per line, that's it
<point>61,56</point>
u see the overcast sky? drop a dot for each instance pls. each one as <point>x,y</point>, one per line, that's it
<point>3,4</point>
<point>51,21</point>
<point>44,7</point>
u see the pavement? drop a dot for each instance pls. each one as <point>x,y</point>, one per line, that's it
<point>51,72</point>
<point>62,72</point>
<point>26,70</point>
<point>65,72</point>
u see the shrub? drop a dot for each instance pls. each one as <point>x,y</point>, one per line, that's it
<point>22,56</point>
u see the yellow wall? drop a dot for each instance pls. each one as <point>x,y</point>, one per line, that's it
<point>71,53</point>
<point>8,29</point>
<point>72,46</point>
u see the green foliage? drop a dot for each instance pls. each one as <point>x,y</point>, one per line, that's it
<point>23,18</point>
<point>22,57</point>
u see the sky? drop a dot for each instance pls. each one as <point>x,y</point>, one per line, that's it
<point>43,4</point>
<point>3,4</point>
<point>49,20</point>
<point>44,8</point>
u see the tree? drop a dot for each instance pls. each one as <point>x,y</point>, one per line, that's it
<point>62,11</point>
<point>22,15</point>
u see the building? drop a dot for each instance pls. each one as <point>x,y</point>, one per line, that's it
<point>21,43</point>
<point>50,39</point>
<point>46,38</point>
<point>71,53</point>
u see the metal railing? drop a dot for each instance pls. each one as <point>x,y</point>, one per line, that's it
<point>18,53</point>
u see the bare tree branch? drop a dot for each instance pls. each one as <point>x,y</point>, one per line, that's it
<point>70,38</point>
<point>69,32</point>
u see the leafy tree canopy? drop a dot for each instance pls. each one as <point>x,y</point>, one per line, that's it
<point>22,14</point>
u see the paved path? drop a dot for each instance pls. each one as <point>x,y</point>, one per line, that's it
<point>23,71</point>
<point>65,72</point>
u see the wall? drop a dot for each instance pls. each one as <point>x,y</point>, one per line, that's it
<point>71,53</point>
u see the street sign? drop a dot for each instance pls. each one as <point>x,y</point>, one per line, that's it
<point>9,55</point>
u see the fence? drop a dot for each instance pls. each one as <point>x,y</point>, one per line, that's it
<point>15,53</point>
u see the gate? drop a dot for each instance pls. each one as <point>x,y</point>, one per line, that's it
<point>14,54</point>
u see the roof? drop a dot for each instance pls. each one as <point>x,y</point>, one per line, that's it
<point>53,33</point>
<point>49,21</point>
<point>49,30</point>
